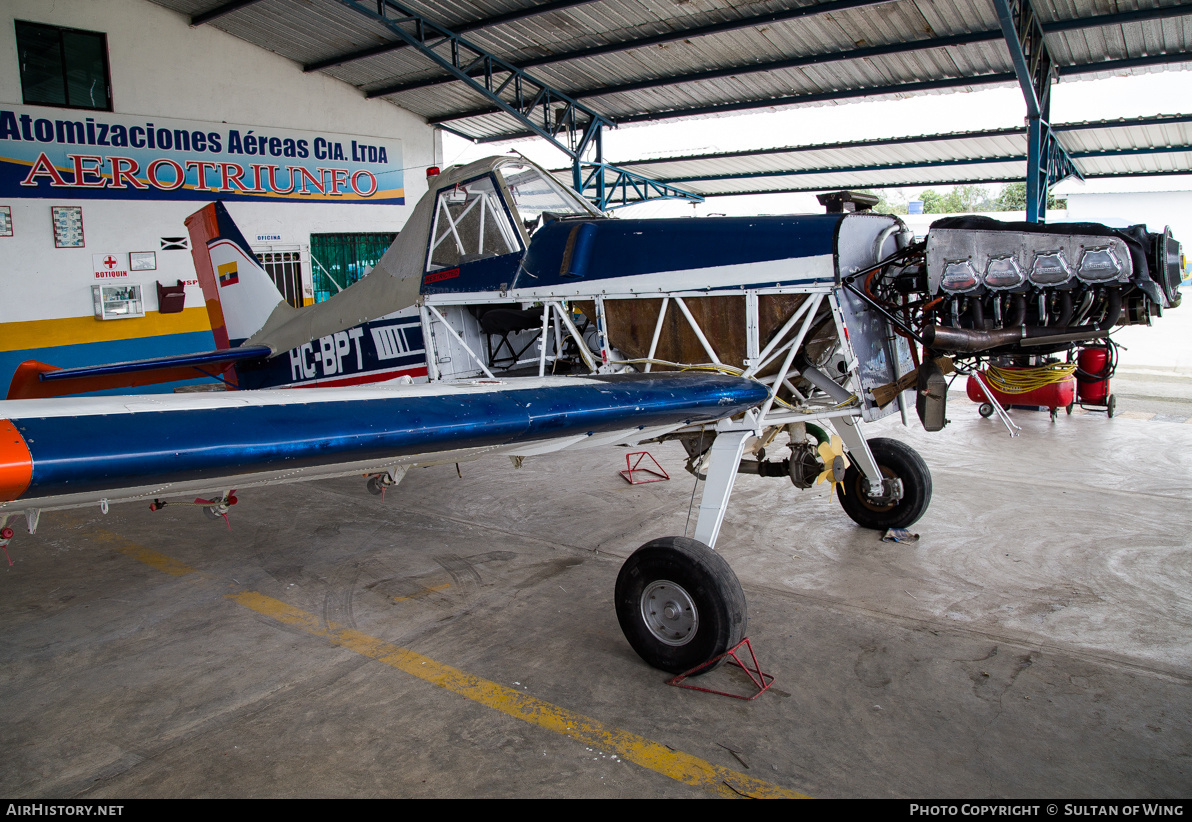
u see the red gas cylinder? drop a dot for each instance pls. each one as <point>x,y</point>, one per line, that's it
<point>1093,360</point>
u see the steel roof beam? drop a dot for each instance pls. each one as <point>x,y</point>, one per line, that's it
<point>1127,63</point>
<point>219,11</point>
<point>929,85</point>
<point>462,28</point>
<point>747,105</point>
<point>532,100</point>
<point>1116,19</point>
<point>757,68</point>
<point>807,11</point>
<point>1132,152</point>
<point>668,37</point>
<point>892,141</point>
<point>1109,175</point>
<point>1016,158</point>
<point>803,172</point>
<point>926,183</point>
<point>1162,119</point>
<point>558,112</point>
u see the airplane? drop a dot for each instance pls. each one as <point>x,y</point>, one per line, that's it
<point>791,325</point>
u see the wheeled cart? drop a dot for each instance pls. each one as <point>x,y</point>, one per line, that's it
<point>1052,396</point>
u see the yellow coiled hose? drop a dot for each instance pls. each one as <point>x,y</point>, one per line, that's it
<point>1022,380</point>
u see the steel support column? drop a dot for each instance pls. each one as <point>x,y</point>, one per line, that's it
<point>1047,161</point>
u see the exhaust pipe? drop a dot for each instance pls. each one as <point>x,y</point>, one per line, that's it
<point>972,341</point>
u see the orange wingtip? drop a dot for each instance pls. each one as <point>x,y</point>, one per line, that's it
<point>16,463</point>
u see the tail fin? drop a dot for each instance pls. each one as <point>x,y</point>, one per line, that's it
<point>239,294</point>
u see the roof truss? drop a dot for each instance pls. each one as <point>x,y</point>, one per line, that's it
<point>1135,147</point>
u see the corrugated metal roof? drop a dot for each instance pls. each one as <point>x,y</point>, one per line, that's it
<point>593,49</point>
<point>1156,145</point>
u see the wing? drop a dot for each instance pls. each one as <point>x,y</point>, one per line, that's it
<point>76,451</point>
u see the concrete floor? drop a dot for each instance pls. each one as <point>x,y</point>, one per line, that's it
<point>459,638</point>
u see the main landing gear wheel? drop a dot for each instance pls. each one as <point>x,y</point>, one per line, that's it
<point>895,459</point>
<point>679,604</point>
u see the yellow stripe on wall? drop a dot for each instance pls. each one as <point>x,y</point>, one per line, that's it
<point>76,330</point>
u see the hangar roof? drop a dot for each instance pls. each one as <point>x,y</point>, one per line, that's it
<point>1109,148</point>
<point>639,60</point>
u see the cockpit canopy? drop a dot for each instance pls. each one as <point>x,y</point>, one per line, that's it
<point>495,213</point>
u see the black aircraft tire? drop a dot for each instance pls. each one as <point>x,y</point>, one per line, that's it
<point>895,459</point>
<point>679,604</point>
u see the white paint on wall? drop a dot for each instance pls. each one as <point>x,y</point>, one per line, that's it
<point>162,67</point>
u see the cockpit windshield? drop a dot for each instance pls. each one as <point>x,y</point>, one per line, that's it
<point>535,194</point>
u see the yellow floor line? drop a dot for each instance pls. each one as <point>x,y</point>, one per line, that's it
<point>140,553</point>
<point>629,746</point>
<point>690,770</point>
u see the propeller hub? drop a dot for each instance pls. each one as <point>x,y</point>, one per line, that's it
<point>839,464</point>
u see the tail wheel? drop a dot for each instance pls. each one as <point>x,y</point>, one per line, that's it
<point>898,460</point>
<point>679,604</point>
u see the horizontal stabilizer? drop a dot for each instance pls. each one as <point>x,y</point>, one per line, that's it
<point>35,380</point>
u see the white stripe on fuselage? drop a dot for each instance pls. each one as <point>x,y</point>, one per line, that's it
<point>87,406</point>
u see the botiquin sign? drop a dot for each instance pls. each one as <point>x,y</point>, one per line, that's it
<point>57,153</point>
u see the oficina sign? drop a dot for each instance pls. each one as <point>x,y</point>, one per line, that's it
<point>47,152</point>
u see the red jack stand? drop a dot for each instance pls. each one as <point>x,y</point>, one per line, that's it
<point>631,469</point>
<point>761,680</point>
<point>6,534</point>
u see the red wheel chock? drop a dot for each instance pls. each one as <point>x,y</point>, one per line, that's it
<point>761,681</point>
<point>632,468</point>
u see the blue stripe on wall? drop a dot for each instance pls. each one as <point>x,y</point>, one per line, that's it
<point>101,353</point>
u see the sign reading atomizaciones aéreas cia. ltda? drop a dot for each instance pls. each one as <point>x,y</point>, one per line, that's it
<point>47,152</point>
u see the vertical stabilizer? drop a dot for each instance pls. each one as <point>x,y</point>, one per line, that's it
<point>239,295</point>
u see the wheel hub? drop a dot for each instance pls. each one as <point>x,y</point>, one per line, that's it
<point>669,613</point>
